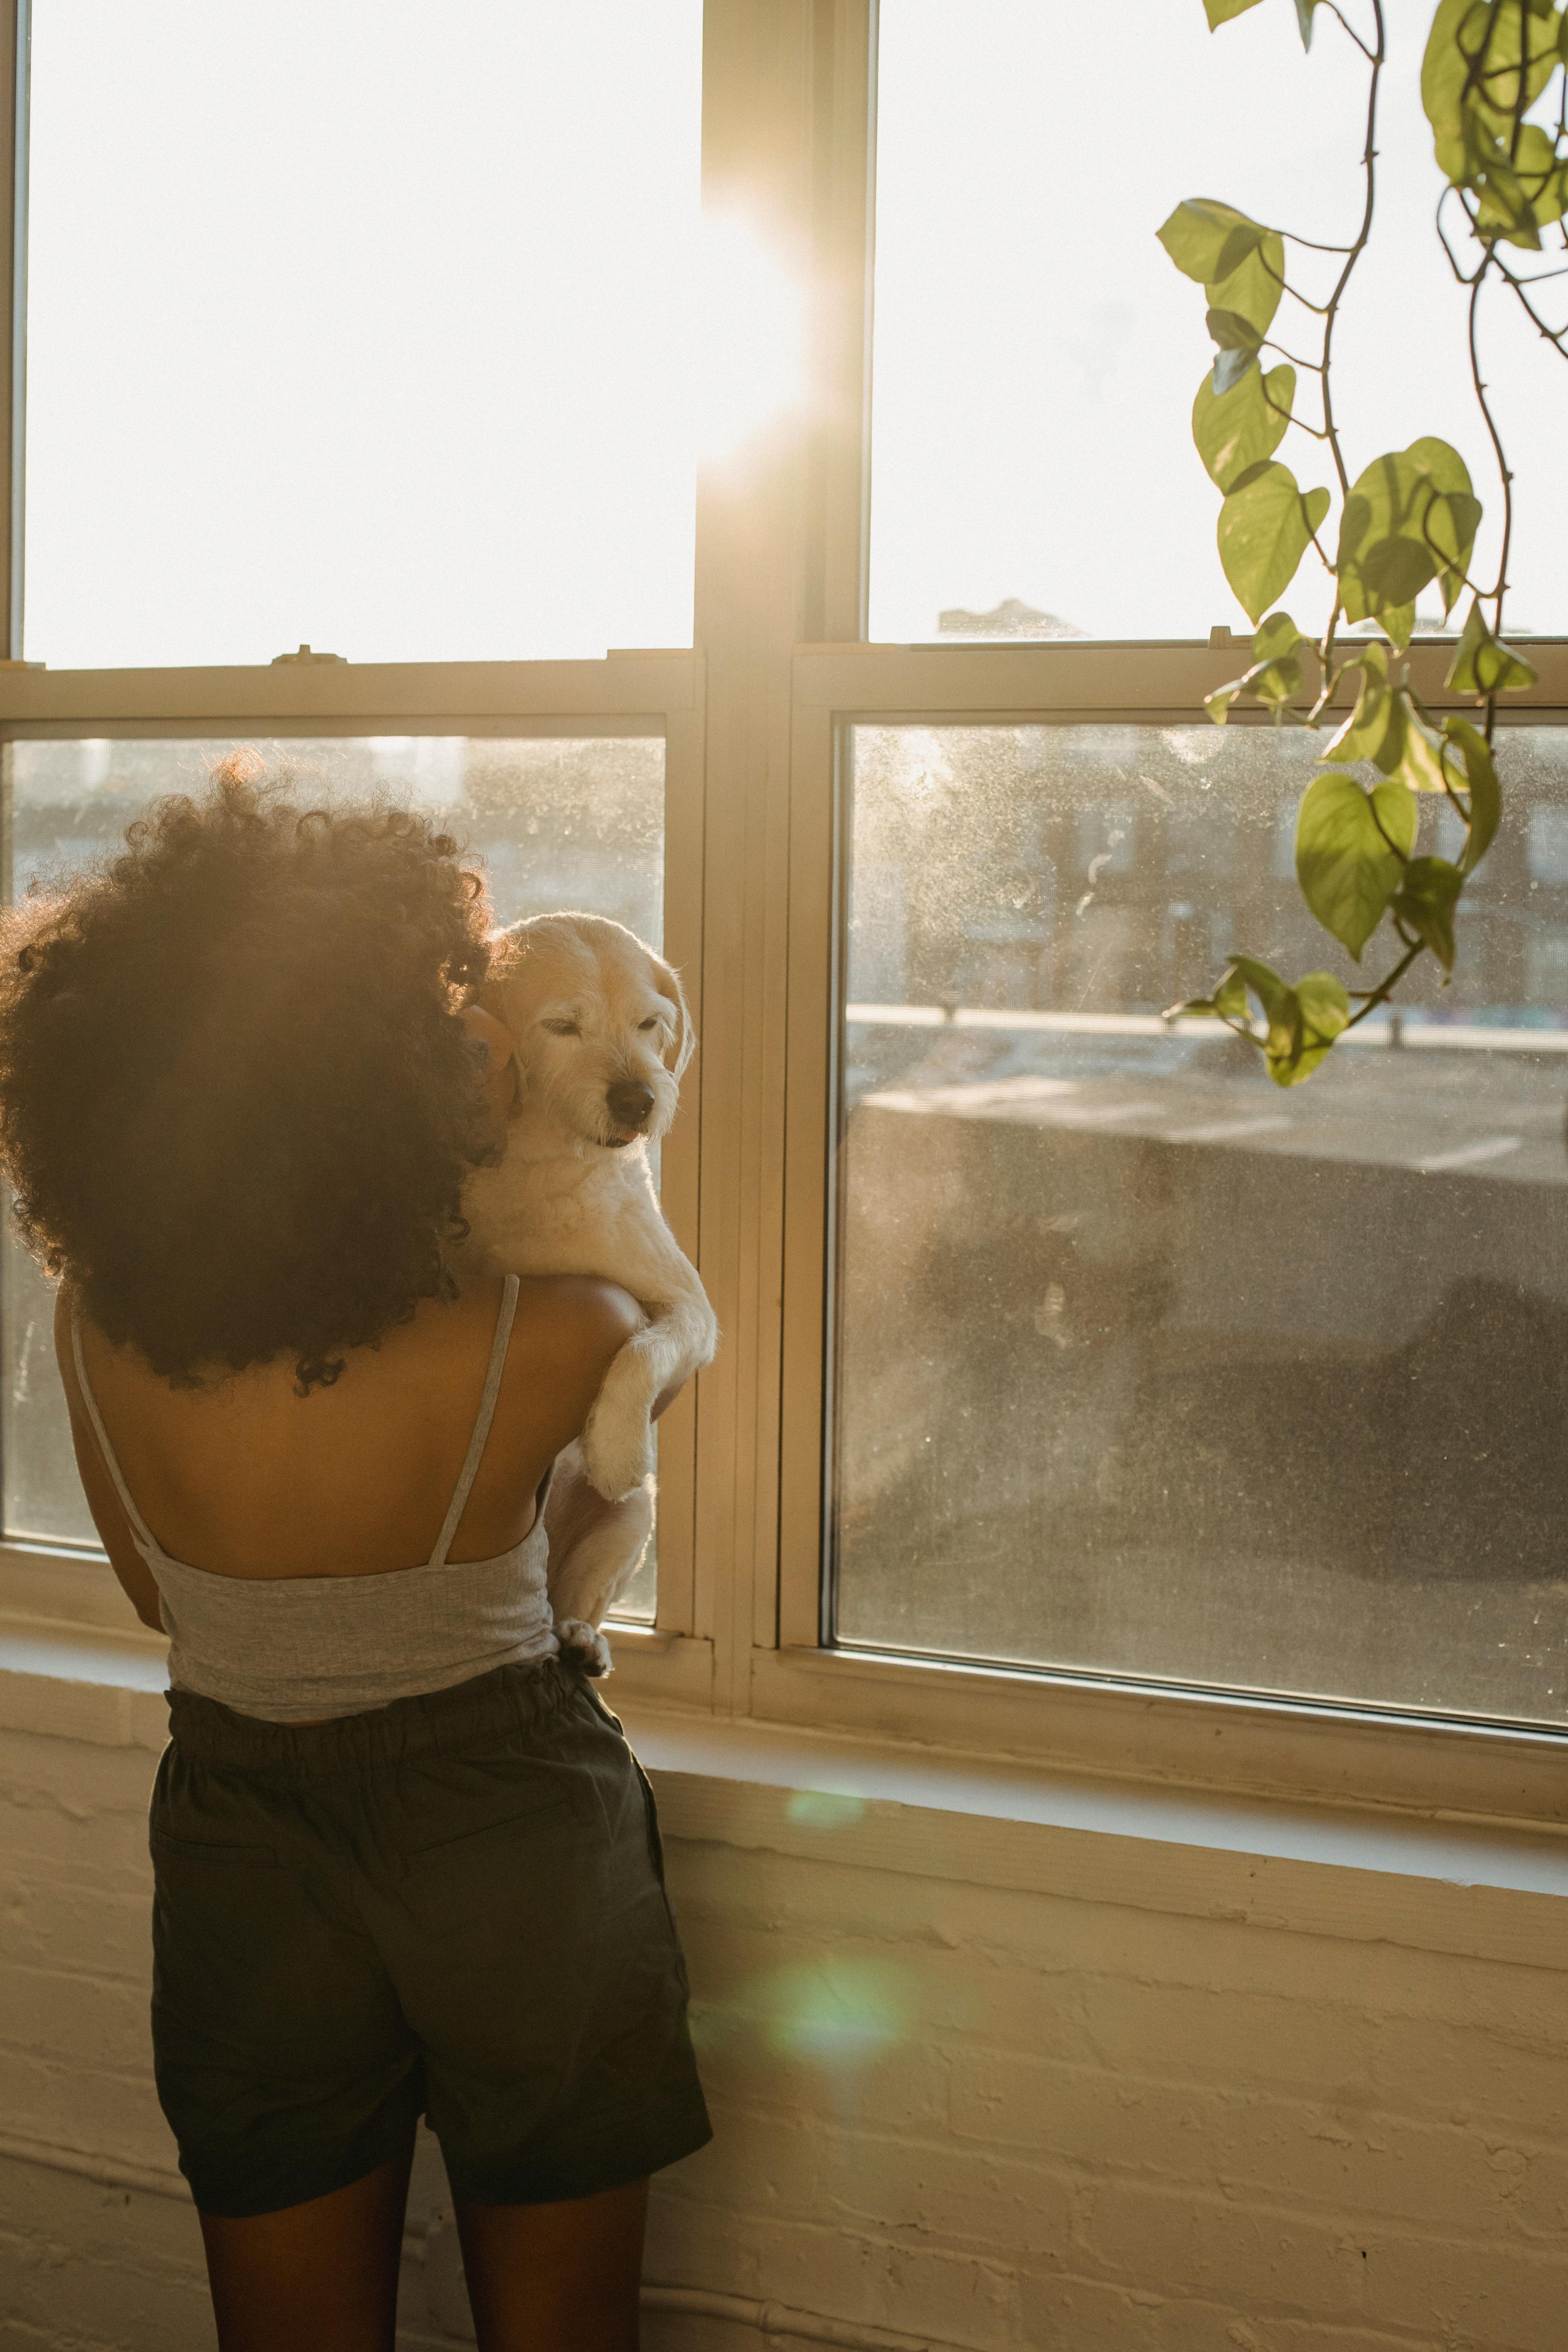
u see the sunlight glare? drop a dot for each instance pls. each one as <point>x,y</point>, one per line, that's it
<point>749,337</point>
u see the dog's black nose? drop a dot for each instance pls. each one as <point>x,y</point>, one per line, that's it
<point>629,1102</point>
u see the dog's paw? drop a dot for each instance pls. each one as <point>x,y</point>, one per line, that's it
<point>617,1450</point>
<point>583,1646</point>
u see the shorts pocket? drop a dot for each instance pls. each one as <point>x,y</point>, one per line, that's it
<point>471,1843</point>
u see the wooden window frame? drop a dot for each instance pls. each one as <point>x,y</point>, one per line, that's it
<point>753,720</point>
<point>656,694</point>
<point>1135,1727</point>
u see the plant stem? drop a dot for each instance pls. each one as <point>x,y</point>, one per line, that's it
<point>1333,11</point>
<point>1556,336</point>
<point>1499,592</point>
<point>1386,987</point>
<point>1369,160</point>
<point>1352,255</point>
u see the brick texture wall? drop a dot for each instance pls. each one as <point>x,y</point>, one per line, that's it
<point>992,2115</point>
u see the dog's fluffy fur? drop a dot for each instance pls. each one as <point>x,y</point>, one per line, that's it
<point>595,1013</point>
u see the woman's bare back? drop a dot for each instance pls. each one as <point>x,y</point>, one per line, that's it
<point>246,1479</point>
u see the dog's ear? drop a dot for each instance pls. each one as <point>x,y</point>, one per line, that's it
<point>685,1041</point>
<point>505,952</point>
<point>497,996</point>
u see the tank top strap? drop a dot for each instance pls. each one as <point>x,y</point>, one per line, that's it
<point>146,1540</point>
<point>481,1425</point>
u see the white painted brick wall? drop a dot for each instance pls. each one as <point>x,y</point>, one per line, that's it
<point>996,2118</point>
<point>1101,2127</point>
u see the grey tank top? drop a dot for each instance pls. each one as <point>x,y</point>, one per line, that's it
<point>292,1649</point>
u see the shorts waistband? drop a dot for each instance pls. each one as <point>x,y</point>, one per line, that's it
<point>507,1699</point>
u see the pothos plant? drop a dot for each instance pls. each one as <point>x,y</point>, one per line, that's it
<point>1495,95</point>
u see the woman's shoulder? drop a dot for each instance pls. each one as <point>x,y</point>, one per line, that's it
<point>578,1321</point>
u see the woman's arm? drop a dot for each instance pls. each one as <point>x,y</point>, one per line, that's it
<point>108,1512</point>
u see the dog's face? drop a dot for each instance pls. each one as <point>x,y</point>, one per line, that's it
<point>602,1029</point>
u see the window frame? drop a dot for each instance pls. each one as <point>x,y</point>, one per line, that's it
<point>1139,1726</point>
<point>649,694</point>
<point>753,719</point>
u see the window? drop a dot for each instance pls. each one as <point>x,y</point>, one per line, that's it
<point>1043,1422</point>
<point>559,820</point>
<point>350,327</point>
<point>344,337</point>
<point>1145,1368</point>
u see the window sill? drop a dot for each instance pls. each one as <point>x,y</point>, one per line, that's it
<point>1409,1770</point>
<point>874,1804</point>
<point>867,1804</point>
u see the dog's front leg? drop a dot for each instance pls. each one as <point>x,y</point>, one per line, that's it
<point>617,1441</point>
<point>595,1550</point>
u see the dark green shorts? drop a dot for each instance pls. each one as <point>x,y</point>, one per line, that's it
<point>454,1905</point>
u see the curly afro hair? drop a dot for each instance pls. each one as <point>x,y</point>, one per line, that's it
<point>238,1104</point>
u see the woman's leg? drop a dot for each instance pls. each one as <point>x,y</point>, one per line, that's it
<point>556,2278</point>
<point>323,2275</point>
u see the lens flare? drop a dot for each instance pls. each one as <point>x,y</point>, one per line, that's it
<point>751,333</point>
<point>821,1809</point>
<point>837,2014</point>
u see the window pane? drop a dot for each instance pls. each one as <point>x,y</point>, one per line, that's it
<point>361,324</point>
<point>558,822</point>
<point>1036,353</point>
<point>1147,1366</point>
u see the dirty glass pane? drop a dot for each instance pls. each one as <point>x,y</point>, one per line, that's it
<point>566,821</point>
<point>369,324</point>
<point>1147,1366</point>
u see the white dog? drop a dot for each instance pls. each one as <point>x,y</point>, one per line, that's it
<point>602,1035</point>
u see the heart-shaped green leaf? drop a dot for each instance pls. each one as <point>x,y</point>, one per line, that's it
<point>1275,681</point>
<point>1410,518</point>
<point>1375,729</point>
<point>1229,1001</point>
<point>1425,903</point>
<point>1399,621</point>
<point>1452,520</point>
<point>1265,527</point>
<point>1483,664</point>
<point>1486,798</point>
<point>1325,1011</point>
<point>1395,571</point>
<point>1276,637</point>
<point>1421,764</point>
<point>1208,241</point>
<point>1252,289</point>
<point>1220,12</point>
<point>1350,848</point>
<point>1245,425</point>
<point>1233,331</point>
<point>1229,370</point>
<point>1465,32</point>
<point>1302,1022</point>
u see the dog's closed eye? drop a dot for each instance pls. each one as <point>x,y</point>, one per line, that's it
<point>561,1028</point>
<point>651,1022</point>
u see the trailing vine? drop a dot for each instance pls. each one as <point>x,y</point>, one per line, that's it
<point>1495,91</point>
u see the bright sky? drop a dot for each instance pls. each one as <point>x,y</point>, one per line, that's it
<point>1037,355</point>
<point>361,324</point>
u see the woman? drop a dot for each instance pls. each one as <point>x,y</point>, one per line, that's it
<point>404,1859</point>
